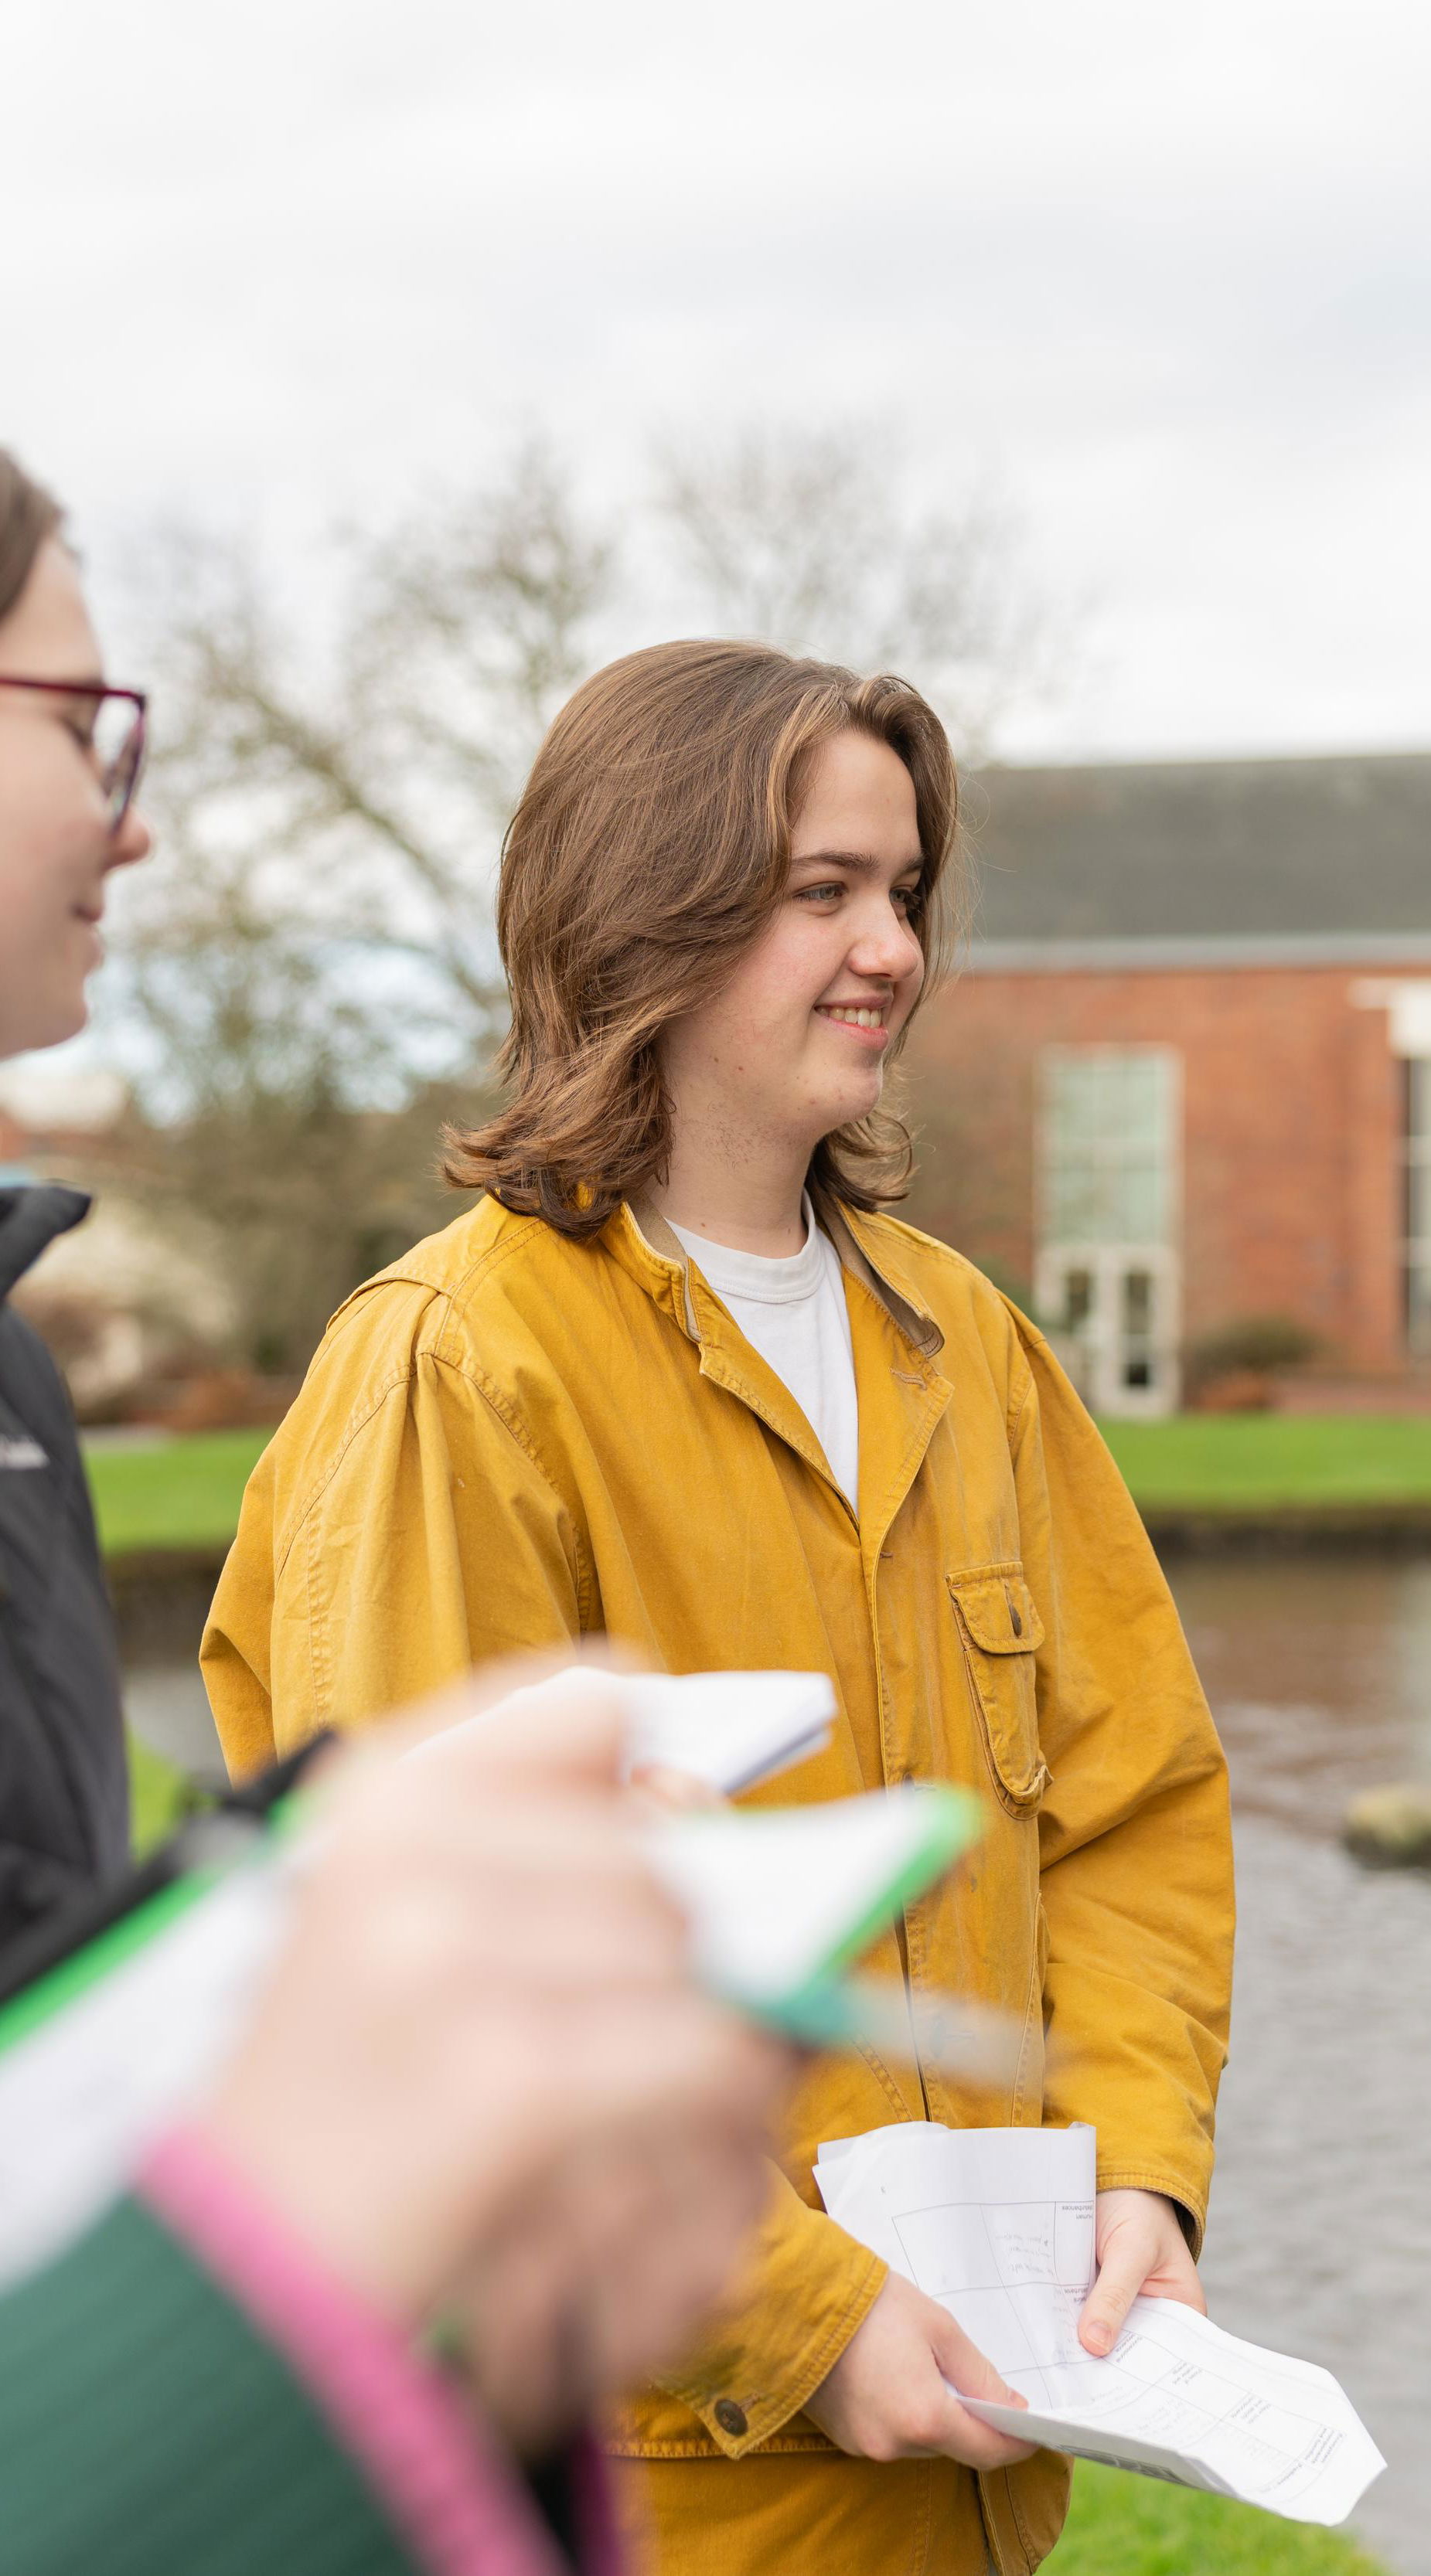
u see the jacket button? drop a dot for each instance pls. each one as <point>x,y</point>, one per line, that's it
<point>1015,1621</point>
<point>730,2417</point>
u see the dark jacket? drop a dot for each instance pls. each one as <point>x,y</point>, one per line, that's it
<point>64,1800</point>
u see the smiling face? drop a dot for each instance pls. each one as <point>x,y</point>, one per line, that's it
<point>56,846</point>
<point>794,1045</point>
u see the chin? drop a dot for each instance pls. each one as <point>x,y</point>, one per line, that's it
<point>59,1016</point>
<point>858,1103</point>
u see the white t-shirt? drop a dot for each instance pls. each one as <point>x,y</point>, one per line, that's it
<point>794,1313</point>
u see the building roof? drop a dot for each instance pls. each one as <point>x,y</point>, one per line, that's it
<point>1158,859</point>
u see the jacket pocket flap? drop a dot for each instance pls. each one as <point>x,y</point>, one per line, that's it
<point>998,1611</point>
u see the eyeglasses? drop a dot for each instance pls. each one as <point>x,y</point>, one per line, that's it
<point>117,739</point>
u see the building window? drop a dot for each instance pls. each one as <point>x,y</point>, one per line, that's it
<point>1108,1188</point>
<point>1418,1206</point>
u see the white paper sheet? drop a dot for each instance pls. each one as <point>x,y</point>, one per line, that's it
<point>728,1729</point>
<point>773,1893</point>
<point>84,2096</point>
<point>997,2224</point>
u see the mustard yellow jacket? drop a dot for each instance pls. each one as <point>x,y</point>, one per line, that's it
<point>510,1439</point>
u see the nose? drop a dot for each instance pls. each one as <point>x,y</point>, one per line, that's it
<point>886,948</point>
<point>133,841</point>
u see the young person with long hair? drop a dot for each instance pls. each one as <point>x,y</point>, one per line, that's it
<point>682,1377</point>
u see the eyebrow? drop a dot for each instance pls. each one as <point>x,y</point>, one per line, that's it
<point>858,861</point>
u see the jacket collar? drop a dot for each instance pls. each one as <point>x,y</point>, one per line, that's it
<point>30,1219</point>
<point>863,1250</point>
<point>895,1428</point>
<point>653,1252</point>
<point>653,1255</point>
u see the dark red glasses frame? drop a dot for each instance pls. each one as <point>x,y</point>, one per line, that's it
<point>120,776</point>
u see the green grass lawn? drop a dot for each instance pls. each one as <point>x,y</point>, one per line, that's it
<point>186,1492</point>
<point>180,1493</point>
<point>158,1796</point>
<point>1256,1461</point>
<point>1126,2526</point>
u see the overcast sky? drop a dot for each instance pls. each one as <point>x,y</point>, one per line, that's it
<point>1161,272</point>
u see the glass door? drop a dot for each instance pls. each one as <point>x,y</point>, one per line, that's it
<point>1112,1314</point>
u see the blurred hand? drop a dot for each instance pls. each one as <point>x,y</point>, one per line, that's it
<point>1140,2248</point>
<point>604,2279</point>
<point>891,2394</point>
<point>482,2038</point>
<point>658,1790</point>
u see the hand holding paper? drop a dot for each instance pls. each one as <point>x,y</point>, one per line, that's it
<point>892,2393</point>
<point>102,2054</point>
<point>998,2226</point>
<point>727,1730</point>
<point>1140,2251</point>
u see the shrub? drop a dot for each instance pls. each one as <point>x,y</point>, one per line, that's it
<point>1253,1346</point>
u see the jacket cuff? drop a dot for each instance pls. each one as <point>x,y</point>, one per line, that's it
<point>458,2507</point>
<point>810,2288</point>
<point>1190,2205</point>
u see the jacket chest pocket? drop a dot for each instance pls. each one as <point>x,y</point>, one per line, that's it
<point>1001,1631</point>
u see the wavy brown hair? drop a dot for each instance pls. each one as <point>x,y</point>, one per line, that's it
<point>649,850</point>
<point>27,517</point>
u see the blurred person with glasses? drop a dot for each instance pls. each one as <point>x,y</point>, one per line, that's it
<point>480,2089</point>
<point>71,750</point>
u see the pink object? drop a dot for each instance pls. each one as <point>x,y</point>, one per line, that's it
<point>449,2495</point>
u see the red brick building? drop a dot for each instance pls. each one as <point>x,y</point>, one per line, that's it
<point>1184,1078</point>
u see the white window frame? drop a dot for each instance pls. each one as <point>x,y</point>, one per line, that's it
<point>1406,1001</point>
<point>1416,1248</point>
<point>1099,1350</point>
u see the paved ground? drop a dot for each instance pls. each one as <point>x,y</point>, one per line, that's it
<point>166,1706</point>
<point>1320,2231</point>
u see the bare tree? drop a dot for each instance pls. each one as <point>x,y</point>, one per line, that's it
<point>805,541</point>
<point>340,813</point>
<point>309,980</point>
<point>288,1138</point>
<point>289,1202</point>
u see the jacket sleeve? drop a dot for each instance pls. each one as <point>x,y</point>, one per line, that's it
<point>155,2422</point>
<point>383,1548</point>
<point>66,1784</point>
<point>34,1887</point>
<point>809,2287</point>
<point>146,2429</point>
<point>1135,1841</point>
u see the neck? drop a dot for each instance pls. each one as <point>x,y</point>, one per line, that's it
<point>735,1191</point>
